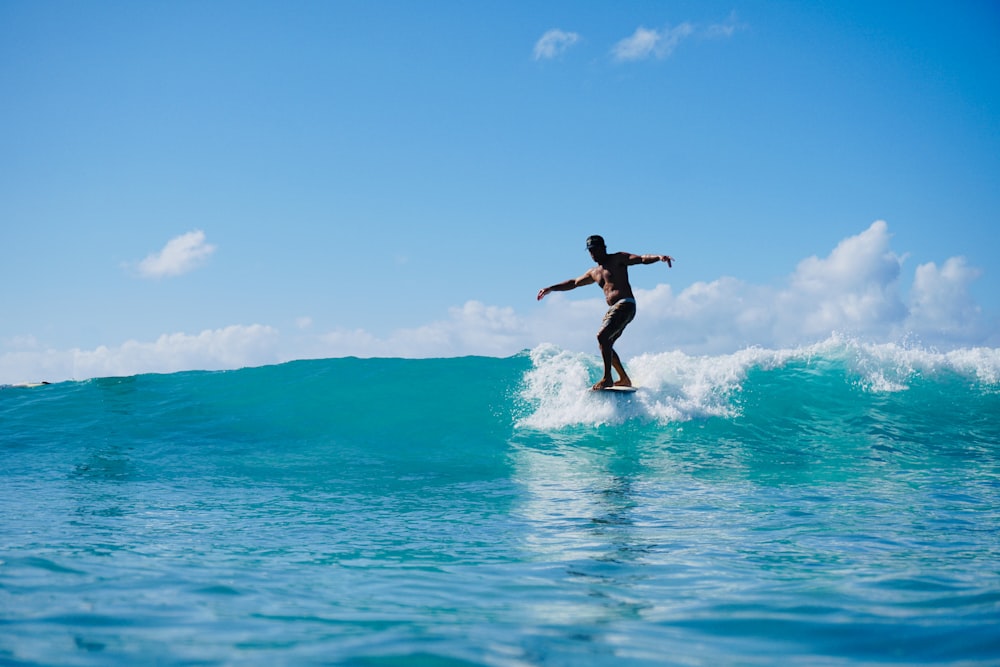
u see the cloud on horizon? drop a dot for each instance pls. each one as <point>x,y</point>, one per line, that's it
<point>219,349</point>
<point>180,255</point>
<point>855,291</point>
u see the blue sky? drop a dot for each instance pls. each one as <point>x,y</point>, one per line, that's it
<point>202,185</point>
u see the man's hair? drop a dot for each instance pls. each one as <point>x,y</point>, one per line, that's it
<point>595,241</point>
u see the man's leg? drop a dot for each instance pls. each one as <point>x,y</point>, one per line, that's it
<point>625,380</point>
<point>609,357</point>
<point>615,321</point>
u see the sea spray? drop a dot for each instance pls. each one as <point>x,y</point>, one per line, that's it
<point>675,387</point>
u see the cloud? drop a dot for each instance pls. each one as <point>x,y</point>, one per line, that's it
<point>647,43</point>
<point>644,43</point>
<point>473,328</point>
<point>856,290</point>
<point>940,300</point>
<point>179,256</point>
<point>213,349</point>
<point>553,43</point>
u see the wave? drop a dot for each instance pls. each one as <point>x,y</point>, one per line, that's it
<point>544,389</point>
<point>676,387</point>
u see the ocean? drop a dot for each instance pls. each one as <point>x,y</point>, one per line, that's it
<point>836,504</point>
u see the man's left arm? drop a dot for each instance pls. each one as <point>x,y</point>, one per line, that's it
<point>650,259</point>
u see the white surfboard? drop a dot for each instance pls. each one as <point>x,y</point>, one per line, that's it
<point>620,390</point>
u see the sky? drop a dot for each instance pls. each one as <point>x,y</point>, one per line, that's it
<point>204,185</point>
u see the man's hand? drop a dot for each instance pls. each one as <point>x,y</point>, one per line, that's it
<point>542,292</point>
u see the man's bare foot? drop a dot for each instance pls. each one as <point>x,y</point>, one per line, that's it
<point>603,384</point>
<point>623,383</point>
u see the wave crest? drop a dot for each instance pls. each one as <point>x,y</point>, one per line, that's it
<point>677,387</point>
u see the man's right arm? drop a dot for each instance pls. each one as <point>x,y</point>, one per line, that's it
<point>566,285</point>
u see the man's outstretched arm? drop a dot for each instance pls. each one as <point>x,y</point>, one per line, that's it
<point>566,285</point>
<point>650,259</point>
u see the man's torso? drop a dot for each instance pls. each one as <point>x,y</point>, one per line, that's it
<point>612,277</point>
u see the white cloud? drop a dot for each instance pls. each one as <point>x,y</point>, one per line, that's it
<point>855,290</point>
<point>647,43</point>
<point>473,328</point>
<point>213,349</point>
<point>180,255</point>
<point>940,301</point>
<point>553,43</point>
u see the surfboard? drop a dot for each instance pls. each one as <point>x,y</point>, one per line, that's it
<point>619,390</point>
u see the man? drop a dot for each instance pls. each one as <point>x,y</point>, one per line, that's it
<point>611,274</point>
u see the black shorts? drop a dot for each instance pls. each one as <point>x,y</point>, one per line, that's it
<point>616,319</point>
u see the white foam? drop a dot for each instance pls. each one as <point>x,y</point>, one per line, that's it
<point>676,387</point>
<point>673,387</point>
<point>888,367</point>
<point>556,388</point>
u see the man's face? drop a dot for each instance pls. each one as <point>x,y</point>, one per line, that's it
<point>597,252</point>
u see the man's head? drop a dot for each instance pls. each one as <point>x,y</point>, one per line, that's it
<point>595,244</point>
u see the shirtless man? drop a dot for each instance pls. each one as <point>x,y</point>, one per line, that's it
<point>611,274</point>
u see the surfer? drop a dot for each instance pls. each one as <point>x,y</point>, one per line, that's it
<point>611,274</point>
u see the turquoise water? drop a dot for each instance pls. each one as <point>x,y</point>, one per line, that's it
<point>833,505</point>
